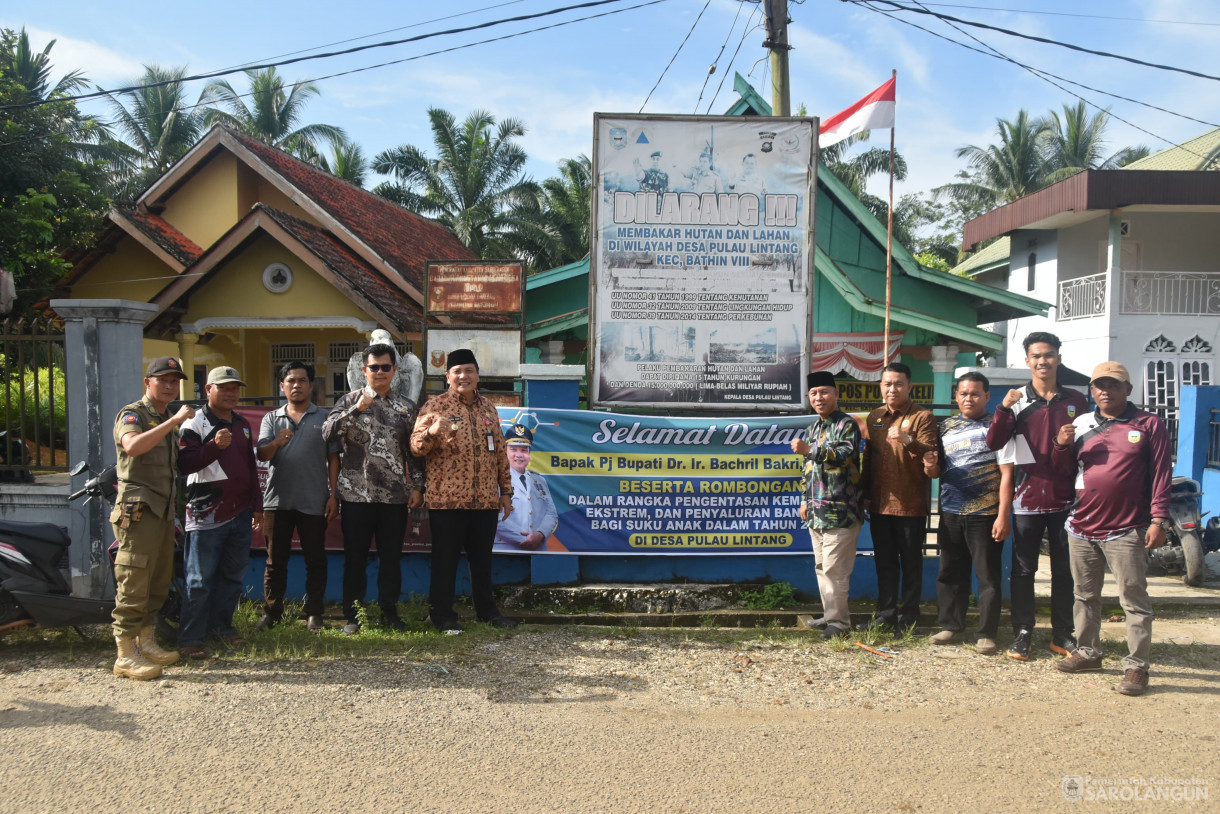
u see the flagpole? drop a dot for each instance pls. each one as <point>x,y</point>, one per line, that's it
<point>889,239</point>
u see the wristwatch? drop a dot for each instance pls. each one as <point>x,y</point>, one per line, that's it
<point>1167,525</point>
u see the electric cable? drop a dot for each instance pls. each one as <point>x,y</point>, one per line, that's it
<point>276,64</point>
<point>1043,74</point>
<point>711,70</point>
<point>675,56</point>
<point>1069,14</point>
<point>1035,38</point>
<point>745,33</point>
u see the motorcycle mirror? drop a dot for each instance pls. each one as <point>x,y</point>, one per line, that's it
<point>83,466</point>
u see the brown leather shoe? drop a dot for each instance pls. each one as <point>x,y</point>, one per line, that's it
<point>1135,682</point>
<point>1077,663</point>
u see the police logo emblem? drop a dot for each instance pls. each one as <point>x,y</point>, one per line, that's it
<point>1134,436</point>
<point>130,418</point>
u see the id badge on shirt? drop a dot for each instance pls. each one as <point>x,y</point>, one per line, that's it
<point>491,443</point>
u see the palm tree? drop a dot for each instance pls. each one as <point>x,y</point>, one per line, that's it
<point>33,70</point>
<point>856,170</point>
<point>475,187</point>
<point>1077,141</point>
<point>1001,173</point>
<point>346,161</point>
<point>274,114</point>
<point>157,123</point>
<point>566,200</point>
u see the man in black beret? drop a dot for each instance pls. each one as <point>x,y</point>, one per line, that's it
<point>830,504</point>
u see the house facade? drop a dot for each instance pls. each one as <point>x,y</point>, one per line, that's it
<point>254,258</point>
<point>1129,260</point>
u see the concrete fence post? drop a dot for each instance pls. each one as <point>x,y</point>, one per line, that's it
<point>104,350</point>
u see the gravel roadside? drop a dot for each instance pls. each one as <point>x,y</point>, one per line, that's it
<point>576,719</point>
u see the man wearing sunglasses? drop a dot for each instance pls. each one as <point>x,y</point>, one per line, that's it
<point>378,482</point>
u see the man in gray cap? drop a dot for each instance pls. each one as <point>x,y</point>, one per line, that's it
<point>147,447</point>
<point>458,433</point>
<point>830,505</point>
<point>224,508</point>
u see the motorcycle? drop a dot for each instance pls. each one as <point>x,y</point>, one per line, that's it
<point>1187,543</point>
<point>33,587</point>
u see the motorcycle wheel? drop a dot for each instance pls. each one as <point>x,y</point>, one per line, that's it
<point>1192,550</point>
<point>10,611</point>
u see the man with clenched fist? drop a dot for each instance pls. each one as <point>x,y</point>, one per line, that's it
<point>1023,431</point>
<point>298,497</point>
<point>224,508</point>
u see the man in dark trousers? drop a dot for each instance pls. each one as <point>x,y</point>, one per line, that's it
<point>896,493</point>
<point>298,497</point>
<point>1119,456</point>
<point>975,506</point>
<point>378,483</point>
<point>1024,430</point>
<point>469,487</point>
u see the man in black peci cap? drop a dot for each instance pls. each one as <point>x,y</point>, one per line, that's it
<point>146,443</point>
<point>468,486</point>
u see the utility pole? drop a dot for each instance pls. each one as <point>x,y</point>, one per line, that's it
<point>776,12</point>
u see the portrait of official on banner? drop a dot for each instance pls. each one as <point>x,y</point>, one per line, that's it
<point>702,261</point>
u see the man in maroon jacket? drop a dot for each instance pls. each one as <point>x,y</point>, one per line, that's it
<point>1024,430</point>
<point>1120,457</point>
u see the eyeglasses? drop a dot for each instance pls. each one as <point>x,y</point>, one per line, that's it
<point>379,368</point>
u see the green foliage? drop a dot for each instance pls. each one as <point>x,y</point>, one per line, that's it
<point>51,177</point>
<point>273,114</point>
<point>932,261</point>
<point>35,400</point>
<point>475,186</point>
<point>775,595</point>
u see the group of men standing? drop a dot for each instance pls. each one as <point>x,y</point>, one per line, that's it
<point>1094,482</point>
<point>368,462</point>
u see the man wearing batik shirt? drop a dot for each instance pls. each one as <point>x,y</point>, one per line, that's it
<point>1024,431</point>
<point>830,507</point>
<point>1119,457</point>
<point>378,482</point>
<point>975,501</point>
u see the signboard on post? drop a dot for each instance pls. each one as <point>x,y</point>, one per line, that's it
<point>475,287</point>
<point>497,349</point>
<point>702,261</point>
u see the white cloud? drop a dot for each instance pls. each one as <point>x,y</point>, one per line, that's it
<point>100,64</point>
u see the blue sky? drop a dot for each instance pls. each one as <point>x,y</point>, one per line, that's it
<point>555,80</point>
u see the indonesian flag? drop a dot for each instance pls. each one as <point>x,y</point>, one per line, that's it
<point>873,112</point>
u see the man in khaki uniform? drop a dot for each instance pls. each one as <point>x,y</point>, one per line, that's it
<point>143,519</point>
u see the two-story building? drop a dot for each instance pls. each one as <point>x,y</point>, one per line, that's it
<point>1129,259</point>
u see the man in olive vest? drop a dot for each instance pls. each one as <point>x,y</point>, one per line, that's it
<point>143,518</point>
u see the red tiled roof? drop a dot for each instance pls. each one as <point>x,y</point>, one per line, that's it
<point>176,244</point>
<point>403,239</point>
<point>351,267</point>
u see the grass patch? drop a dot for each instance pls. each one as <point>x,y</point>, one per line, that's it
<point>775,595</point>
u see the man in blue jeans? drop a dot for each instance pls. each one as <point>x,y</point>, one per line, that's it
<point>224,508</point>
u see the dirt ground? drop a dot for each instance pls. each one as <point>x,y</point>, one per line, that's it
<point>566,719</point>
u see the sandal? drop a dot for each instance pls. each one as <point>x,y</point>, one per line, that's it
<point>192,651</point>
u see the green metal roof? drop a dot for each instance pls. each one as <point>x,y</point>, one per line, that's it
<point>750,103</point>
<point>992,256</point>
<point>1199,153</point>
<point>559,274</point>
<point>1006,302</point>
<point>838,278</point>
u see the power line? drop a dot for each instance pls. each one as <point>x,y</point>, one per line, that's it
<point>744,33</point>
<point>381,64</point>
<point>327,55</point>
<point>1046,40</point>
<point>1043,74</point>
<point>1070,14</point>
<point>380,33</point>
<point>681,45</point>
<point>711,70</point>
